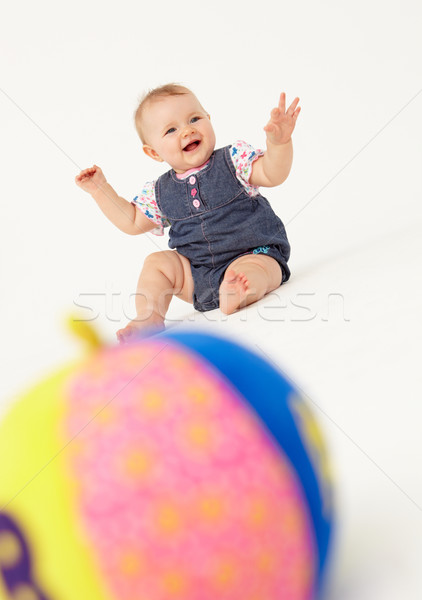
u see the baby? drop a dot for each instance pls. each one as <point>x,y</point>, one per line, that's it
<point>229,248</point>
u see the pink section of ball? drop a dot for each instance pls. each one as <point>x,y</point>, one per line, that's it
<point>181,490</point>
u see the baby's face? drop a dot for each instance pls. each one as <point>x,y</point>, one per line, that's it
<point>178,131</point>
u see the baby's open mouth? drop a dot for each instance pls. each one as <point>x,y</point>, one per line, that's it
<point>191,146</point>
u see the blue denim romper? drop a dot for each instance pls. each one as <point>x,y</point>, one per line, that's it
<point>214,221</point>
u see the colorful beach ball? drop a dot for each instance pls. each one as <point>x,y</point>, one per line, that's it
<point>182,466</point>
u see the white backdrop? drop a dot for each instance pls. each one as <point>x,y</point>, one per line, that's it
<point>347,326</point>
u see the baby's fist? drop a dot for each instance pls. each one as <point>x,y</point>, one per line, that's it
<point>90,180</point>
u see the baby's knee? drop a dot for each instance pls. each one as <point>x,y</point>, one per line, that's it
<point>165,263</point>
<point>159,259</point>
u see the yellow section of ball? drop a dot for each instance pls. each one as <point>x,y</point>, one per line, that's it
<point>37,495</point>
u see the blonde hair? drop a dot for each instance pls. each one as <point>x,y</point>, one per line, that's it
<point>169,89</point>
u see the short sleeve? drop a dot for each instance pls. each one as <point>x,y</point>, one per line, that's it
<point>147,203</point>
<point>243,156</point>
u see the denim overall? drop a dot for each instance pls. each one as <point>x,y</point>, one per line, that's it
<point>214,221</point>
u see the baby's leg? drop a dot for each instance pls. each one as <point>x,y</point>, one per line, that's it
<point>248,279</point>
<point>164,275</point>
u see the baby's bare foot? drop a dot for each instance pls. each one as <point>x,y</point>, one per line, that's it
<point>234,290</point>
<point>142,327</point>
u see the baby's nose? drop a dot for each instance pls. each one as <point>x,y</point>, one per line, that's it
<point>188,130</point>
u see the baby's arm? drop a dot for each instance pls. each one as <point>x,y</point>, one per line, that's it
<point>274,166</point>
<point>119,211</point>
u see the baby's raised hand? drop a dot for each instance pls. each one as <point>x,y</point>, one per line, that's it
<point>281,124</point>
<point>90,180</point>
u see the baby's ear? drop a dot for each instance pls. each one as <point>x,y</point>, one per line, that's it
<point>151,153</point>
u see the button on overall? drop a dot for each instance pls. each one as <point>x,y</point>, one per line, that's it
<point>194,192</point>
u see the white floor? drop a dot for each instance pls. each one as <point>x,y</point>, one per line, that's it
<point>347,327</point>
<point>348,332</point>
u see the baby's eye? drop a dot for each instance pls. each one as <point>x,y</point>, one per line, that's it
<point>194,119</point>
<point>170,130</point>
